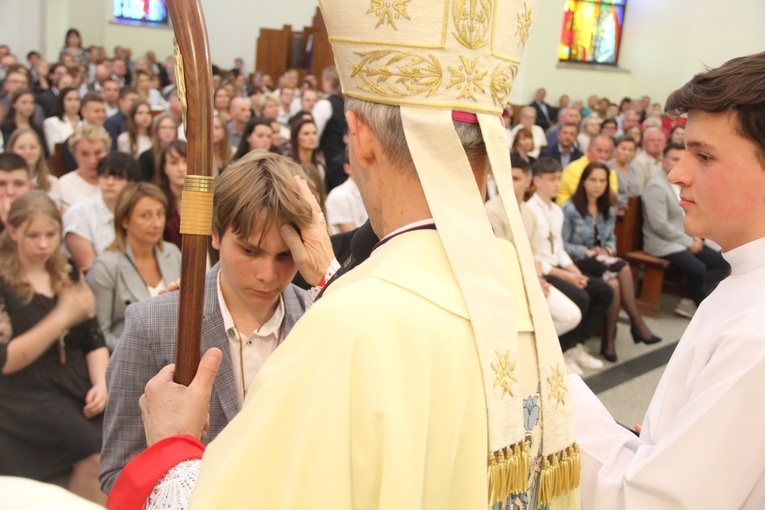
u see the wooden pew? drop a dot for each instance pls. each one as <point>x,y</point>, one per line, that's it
<point>56,161</point>
<point>278,50</point>
<point>647,271</point>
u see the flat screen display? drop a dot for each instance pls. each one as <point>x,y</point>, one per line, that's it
<point>141,12</point>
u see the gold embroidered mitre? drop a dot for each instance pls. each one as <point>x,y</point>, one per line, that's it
<point>461,55</point>
<point>433,58</point>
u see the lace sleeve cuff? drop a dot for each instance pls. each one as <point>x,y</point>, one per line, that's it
<point>175,488</point>
<point>334,266</point>
<point>140,476</point>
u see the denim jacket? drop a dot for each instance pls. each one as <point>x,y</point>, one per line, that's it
<point>579,232</point>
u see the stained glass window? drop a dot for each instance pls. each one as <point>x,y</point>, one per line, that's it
<point>592,31</point>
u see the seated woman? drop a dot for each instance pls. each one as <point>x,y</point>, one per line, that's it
<point>170,179</point>
<point>26,143</point>
<point>589,127</point>
<point>221,149</point>
<point>257,134</point>
<point>523,144</point>
<point>58,129</point>
<point>21,113</point>
<point>89,224</point>
<point>625,149</point>
<point>137,135</point>
<point>164,130</point>
<point>52,385</point>
<point>304,145</point>
<point>588,237</point>
<point>137,265</point>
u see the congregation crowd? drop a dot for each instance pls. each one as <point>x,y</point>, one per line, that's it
<point>112,219</point>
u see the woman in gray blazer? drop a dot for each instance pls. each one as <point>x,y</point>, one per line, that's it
<point>137,265</point>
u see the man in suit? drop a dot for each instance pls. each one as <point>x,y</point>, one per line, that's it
<point>48,100</point>
<point>565,116</point>
<point>546,114</point>
<point>664,236</point>
<point>249,305</point>
<point>564,151</point>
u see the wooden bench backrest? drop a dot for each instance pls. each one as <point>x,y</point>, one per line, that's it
<point>56,161</point>
<point>629,228</point>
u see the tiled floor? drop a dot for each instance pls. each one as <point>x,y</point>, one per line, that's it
<point>626,387</point>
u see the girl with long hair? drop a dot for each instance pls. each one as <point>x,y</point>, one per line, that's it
<point>137,135</point>
<point>164,130</point>
<point>222,150</point>
<point>588,237</point>
<point>52,355</point>
<point>257,136</point>
<point>304,145</point>
<point>21,111</point>
<point>170,178</point>
<point>221,101</point>
<point>26,143</point>
<point>58,129</point>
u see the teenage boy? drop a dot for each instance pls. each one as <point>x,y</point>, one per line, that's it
<point>249,305</point>
<point>591,295</point>
<point>564,312</point>
<point>14,182</point>
<point>701,443</point>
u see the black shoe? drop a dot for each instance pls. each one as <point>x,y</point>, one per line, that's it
<point>608,356</point>
<point>648,341</point>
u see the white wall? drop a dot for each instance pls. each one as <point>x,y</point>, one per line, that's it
<point>22,37</point>
<point>664,42</point>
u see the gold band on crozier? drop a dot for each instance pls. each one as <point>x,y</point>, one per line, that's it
<point>200,183</point>
<point>196,211</point>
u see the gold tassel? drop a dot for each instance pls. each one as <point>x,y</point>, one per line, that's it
<point>560,474</point>
<point>576,466</point>
<point>502,487</point>
<point>565,468</point>
<point>492,474</point>
<point>508,472</point>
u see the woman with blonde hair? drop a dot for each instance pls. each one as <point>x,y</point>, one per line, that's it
<point>26,143</point>
<point>589,127</point>
<point>137,265</point>
<point>164,130</point>
<point>52,355</point>
<point>221,101</point>
<point>222,151</point>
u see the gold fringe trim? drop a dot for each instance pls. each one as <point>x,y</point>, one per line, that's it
<point>560,474</point>
<point>508,472</point>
